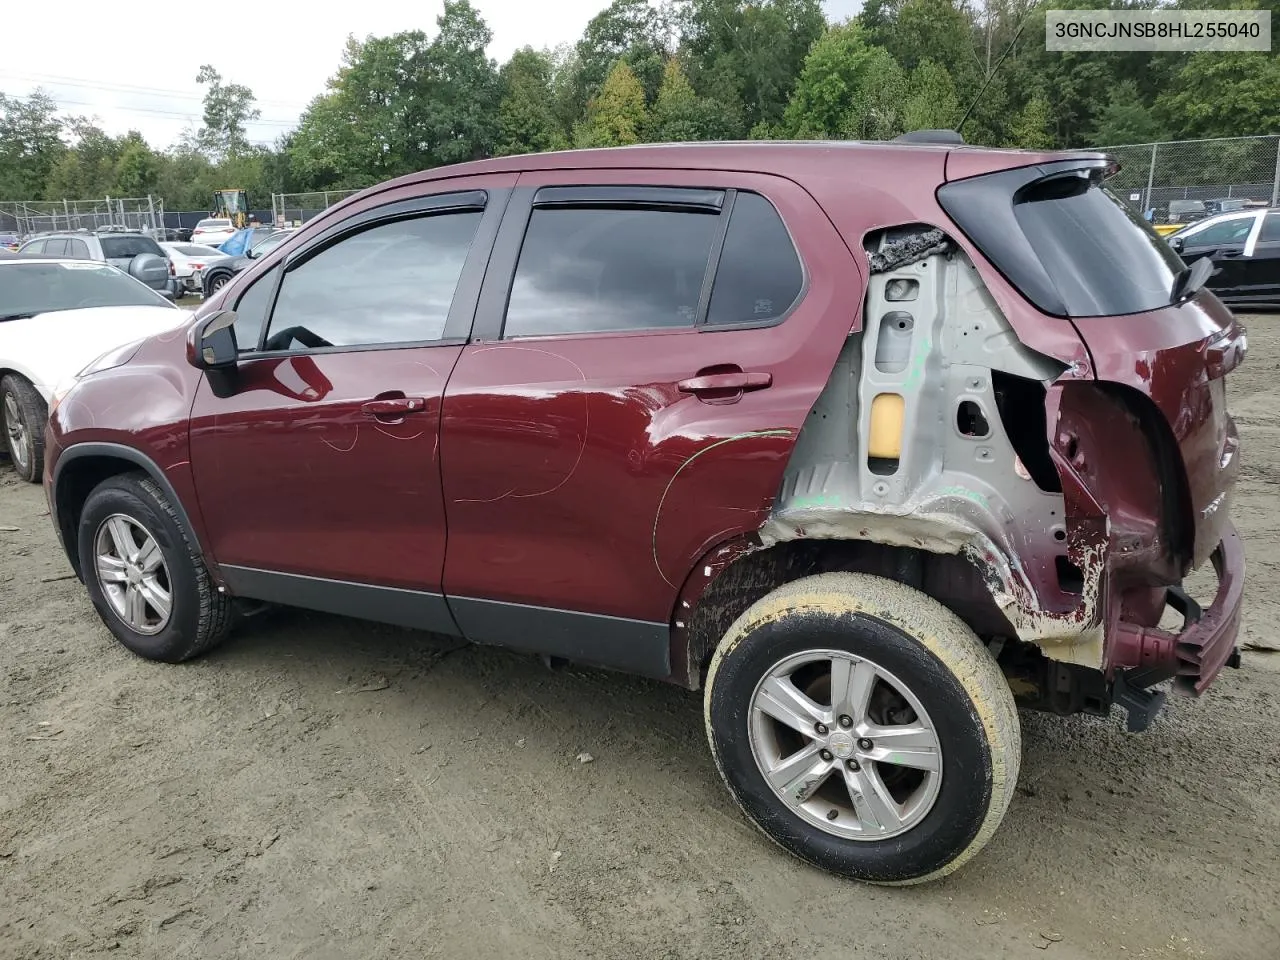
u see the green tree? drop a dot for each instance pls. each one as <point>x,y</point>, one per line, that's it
<point>1223,95</point>
<point>931,102</point>
<point>526,118</point>
<point>228,108</point>
<point>680,115</point>
<point>452,114</point>
<point>847,87</point>
<point>627,30</point>
<point>875,112</point>
<point>1033,127</point>
<point>617,115</point>
<point>1125,119</point>
<point>30,144</point>
<point>137,170</point>
<point>748,54</point>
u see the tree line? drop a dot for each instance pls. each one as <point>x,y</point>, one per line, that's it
<point>683,70</point>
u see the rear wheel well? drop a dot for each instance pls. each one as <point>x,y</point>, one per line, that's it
<point>75,482</point>
<point>951,579</point>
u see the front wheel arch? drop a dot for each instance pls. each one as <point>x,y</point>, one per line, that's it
<point>82,467</point>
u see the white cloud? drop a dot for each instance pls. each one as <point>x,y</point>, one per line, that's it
<point>136,70</point>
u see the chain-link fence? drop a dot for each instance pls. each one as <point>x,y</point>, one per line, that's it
<point>1184,180</point>
<point>295,209</point>
<point>28,217</point>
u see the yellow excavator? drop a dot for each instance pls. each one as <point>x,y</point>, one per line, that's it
<point>231,205</point>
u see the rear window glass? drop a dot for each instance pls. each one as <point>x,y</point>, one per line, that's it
<point>120,247</point>
<point>1070,246</point>
<point>212,224</point>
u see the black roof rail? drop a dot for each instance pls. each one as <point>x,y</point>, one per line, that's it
<point>929,136</point>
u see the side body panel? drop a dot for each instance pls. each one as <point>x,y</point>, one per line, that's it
<point>578,476</point>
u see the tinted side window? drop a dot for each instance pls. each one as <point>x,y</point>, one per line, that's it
<point>55,248</point>
<point>389,284</point>
<point>1227,232</point>
<point>759,275</point>
<point>118,248</point>
<point>1271,227</point>
<point>595,269</point>
<point>78,249</point>
<point>251,310</point>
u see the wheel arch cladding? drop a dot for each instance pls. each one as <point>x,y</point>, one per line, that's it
<point>82,467</point>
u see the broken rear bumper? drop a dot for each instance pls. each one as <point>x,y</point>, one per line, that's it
<point>1194,656</point>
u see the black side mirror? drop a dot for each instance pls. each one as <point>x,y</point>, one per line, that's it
<point>211,344</point>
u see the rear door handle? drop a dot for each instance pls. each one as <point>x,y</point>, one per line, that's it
<point>715,382</point>
<point>393,409</point>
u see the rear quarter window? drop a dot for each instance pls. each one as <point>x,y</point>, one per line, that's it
<point>759,275</point>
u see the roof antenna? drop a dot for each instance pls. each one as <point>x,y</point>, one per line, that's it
<point>991,76</point>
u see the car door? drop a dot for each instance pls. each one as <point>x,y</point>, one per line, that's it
<point>647,346</point>
<point>1223,242</point>
<point>316,462</point>
<point>1262,263</point>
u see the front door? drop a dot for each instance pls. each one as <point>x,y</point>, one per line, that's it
<point>316,462</point>
<point>618,415</point>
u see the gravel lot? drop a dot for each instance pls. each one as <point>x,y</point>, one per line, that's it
<point>324,788</point>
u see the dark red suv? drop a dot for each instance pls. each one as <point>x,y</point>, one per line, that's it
<point>864,439</point>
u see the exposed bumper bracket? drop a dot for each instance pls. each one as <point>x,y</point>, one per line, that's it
<point>1141,705</point>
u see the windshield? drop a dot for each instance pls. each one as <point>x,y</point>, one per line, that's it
<point>1066,242</point>
<point>30,288</point>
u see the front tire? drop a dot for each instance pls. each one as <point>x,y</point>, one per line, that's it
<point>23,415</point>
<point>145,577</point>
<point>863,727</point>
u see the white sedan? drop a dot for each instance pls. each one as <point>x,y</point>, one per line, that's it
<point>213,231</point>
<point>189,259</point>
<point>56,318</point>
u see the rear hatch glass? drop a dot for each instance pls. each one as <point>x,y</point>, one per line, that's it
<point>126,248</point>
<point>1066,242</point>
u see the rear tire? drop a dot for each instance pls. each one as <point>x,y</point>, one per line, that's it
<point>23,415</point>
<point>901,778</point>
<point>217,283</point>
<point>145,577</point>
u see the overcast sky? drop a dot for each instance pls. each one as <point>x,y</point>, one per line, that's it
<point>134,67</point>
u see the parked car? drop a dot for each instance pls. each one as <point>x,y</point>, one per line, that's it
<point>1244,247</point>
<point>136,254</point>
<point>212,231</point>
<point>218,275</point>
<point>56,317</point>
<point>1186,211</point>
<point>170,234</point>
<point>189,260</point>
<point>9,241</point>
<point>827,430</point>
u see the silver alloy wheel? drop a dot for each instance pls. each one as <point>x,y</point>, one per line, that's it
<point>845,744</point>
<point>19,442</point>
<point>132,573</point>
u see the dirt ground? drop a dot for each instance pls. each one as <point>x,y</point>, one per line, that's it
<point>325,788</point>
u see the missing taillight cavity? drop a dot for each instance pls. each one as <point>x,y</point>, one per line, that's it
<point>1020,402</point>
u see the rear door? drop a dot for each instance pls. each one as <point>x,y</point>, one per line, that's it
<point>619,414</point>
